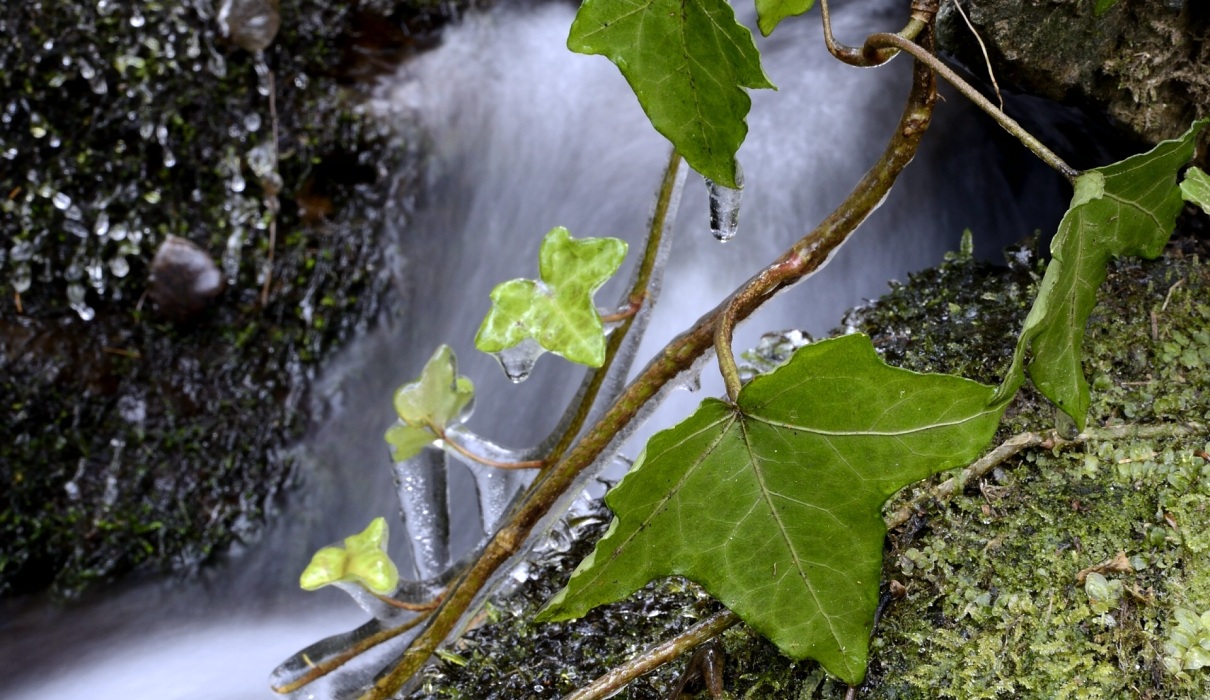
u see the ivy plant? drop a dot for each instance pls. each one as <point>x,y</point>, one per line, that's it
<point>771,497</point>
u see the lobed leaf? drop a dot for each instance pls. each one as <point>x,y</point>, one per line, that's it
<point>558,312</point>
<point>774,504</point>
<point>770,12</point>
<point>362,560</point>
<point>687,62</point>
<point>436,399</point>
<point>1127,208</point>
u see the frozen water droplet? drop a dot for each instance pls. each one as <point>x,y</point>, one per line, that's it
<point>169,159</point>
<point>237,183</point>
<point>75,297</point>
<point>137,20</point>
<point>98,84</point>
<point>61,201</point>
<point>264,77</point>
<point>118,232</point>
<point>96,274</point>
<point>724,206</point>
<point>519,360</point>
<point>118,267</point>
<point>101,227</point>
<point>252,121</point>
<point>261,161</point>
<point>20,278</point>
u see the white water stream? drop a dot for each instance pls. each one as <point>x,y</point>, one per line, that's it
<point>525,136</point>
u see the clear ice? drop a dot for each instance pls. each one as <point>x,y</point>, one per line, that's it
<point>724,206</point>
<point>519,360</point>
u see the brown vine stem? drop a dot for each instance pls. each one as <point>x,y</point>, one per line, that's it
<point>1006,122</point>
<point>1023,441</point>
<point>323,668</point>
<point>801,259</point>
<point>869,56</point>
<point>486,461</point>
<point>655,656</point>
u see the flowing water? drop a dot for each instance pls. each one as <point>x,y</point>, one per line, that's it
<point>523,136</point>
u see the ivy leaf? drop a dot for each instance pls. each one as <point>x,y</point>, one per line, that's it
<point>426,406</point>
<point>773,505</point>
<point>1196,188</point>
<point>687,62</point>
<point>770,12</point>
<point>362,560</point>
<point>1127,208</point>
<point>558,312</point>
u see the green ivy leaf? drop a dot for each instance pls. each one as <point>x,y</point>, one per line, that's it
<point>558,312</point>
<point>774,505</point>
<point>1127,208</point>
<point>1196,188</point>
<point>770,12</point>
<point>687,62</point>
<point>439,397</point>
<point>362,560</point>
<point>1103,6</point>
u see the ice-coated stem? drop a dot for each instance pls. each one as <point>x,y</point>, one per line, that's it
<point>420,483</point>
<point>804,257</point>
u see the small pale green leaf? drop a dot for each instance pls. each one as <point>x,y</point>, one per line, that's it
<point>362,559</point>
<point>1196,188</point>
<point>558,312</point>
<point>1103,6</point>
<point>436,399</point>
<point>687,62</point>
<point>770,12</point>
<point>1127,208</point>
<point>774,505</point>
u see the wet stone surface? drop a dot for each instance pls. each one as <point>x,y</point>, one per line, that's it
<point>135,438</point>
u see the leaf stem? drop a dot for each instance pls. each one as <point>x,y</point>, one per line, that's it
<point>801,259</point>
<point>869,56</point>
<point>404,605</point>
<point>1006,122</point>
<point>655,656</point>
<point>486,461</point>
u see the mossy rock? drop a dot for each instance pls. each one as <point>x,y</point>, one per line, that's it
<point>988,600</point>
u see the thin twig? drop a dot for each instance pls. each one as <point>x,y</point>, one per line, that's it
<point>655,656</point>
<point>1023,441</point>
<point>323,668</point>
<point>404,605</point>
<point>803,258</point>
<point>1008,123</point>
<point>868,56</point>
<point>987,61</point>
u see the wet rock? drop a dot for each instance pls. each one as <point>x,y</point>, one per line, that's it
<point>250,24</point>
<point>184,279</point>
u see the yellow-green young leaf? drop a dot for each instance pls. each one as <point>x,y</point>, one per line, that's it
<point>436,399</point>
<point>362,560</point>
<point>1196,188</point>
<point>774,504</point>
<point>770,12</point>
<point>1127,208</point>
<point>687,62</point>
<point>558,312</point>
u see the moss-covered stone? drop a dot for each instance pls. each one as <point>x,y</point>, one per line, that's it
<point>131,441</point>
<point>989,600</point>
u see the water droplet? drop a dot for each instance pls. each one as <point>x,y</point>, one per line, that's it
<point>118,267</point>
<point>252,121</point>
<point>519,360</point>
<point>37,125</point>
<point>261,160</point>
<point>20,278</point>
<point>137,20</point>
<point>724,206</point>
<point>237,183</point>
<point>61,201</point>
<point>96,274</point>
<point>118,232</point>
<point>152,197</point>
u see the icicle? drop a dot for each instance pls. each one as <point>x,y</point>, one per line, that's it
<point>724,206</point>
<point>496,487</point>
<point>421,485</point>
<point>519,360</point>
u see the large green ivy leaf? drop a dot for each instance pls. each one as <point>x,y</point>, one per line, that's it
<point>558,312</point>
<point>1196,188</point>
<point>770,12</point>
<point>426,406</point>
<point>687,62</point>
<point>774,504</point>
<point>362,560</point>
<point>1127,208</point>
